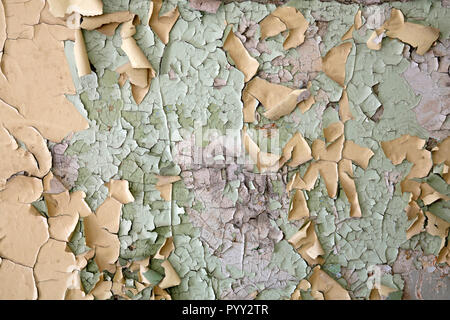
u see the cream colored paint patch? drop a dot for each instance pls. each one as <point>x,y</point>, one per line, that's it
<point>35,100</point>
<point>306,242</point>
<point>323,284</point>
<point>346,179</point>
<point>59,8</point>
<point>437,227</point>
<point>240,56</point>
<point>35,159</point>
<point>166,249</point>
<point>333,64</point>
<point>101,228</point>
<point>21,16</point>
<point>139,66</point>
<point>344,108</point>
<point>162,25</point>
<point>297,150</point>
<point>278,100</point>
<point>334,163</point>
<point>64,210</point>
<point>417,35</point>
<point>17,282</point>
<point>164,186</point>
<point>81,56</point>
<point>249,109</point>
<point>357,154</point>
<point>286,106</point>
<point>299,207</point>
<point>409,148</point>
<point>285,18</point>
<point>97,22</point>
<point>22,229</point>
<point>171,277</point>
<point>265,162</point>
<point>55,270</point>
<point>441,154</point>
<point>2,30</point>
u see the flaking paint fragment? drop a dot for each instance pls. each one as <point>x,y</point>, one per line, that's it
<point>441,154</point>
<point>240,56</point>
<point>101,227</point>
<point>162,24</point>
<point>417,35</point>
<point>106,23</point>
<point>305,241</point>
<point>139,71</point>
<point>333,63</point>
<point>278,100</point>
<point>164,186</point>
<point>285,18</point>
<point>299,207</point>
<point>59,8</point>
<point>323,284</point>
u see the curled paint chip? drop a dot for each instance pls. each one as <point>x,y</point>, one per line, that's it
<point>139,71</point>
<point>59,8</point>
<point>162,24</point>
<point>106,23</point>
<point>306,242</point>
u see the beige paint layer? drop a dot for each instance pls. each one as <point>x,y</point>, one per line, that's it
<point>346,179</point>
<point>344,108</point>
<point>100,228</point>
<point>54,270</point>
<point>409,148</point>
<point>285,18</point>
<point>17,282</point>
<point>333,64</point>
<point>417,35</point>
<point>240,56</point>
<point>375,39</point>
<point>305,241</point>
<point>81,56</point>
<point>334,163</point>
<point>162,24</point>
<point>96,22</point>
<point>22,229</point>
<point>297,150</point>
<point>322,283</point>
<point>37,77</point>
<point>59,8</point>
<point>139,67</point>
<point>35,158</point>
<point>441,154</point>
<point>164,186</point>
<point>278,100</point>
<point>299,207</point>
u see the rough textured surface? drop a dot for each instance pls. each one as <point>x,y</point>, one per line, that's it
<point>222,233</point>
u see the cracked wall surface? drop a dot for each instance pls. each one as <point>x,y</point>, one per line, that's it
<point>224,150</point>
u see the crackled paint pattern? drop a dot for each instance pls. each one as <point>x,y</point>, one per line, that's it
<point>201,223</point>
